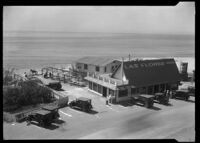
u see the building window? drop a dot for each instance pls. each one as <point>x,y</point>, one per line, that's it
<point>90,85</point>
<point>112,68</point>
<point>105,69</point>
<point>95,87</point>
<point>142,90</point>
<point>133,91</point>
<point>150,90</point>
<point>123,93</point>
<point>97,68</point>
<point>99,88</point>
<point>85,66</point>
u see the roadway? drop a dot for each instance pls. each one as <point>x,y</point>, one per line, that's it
<point>123,121</point>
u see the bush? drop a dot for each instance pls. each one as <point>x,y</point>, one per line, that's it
<point>29,93</point>
<point>7,76</point>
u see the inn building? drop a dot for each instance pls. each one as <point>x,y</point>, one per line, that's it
<point>135,77</point>
<point>99,65</point>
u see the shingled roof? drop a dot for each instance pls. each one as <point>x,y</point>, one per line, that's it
<point>98,61</point>
<point>150,72</point>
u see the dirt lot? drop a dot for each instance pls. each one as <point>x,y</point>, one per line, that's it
<point>127,121</point>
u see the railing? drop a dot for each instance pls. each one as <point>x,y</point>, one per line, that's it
<point>106,79</point>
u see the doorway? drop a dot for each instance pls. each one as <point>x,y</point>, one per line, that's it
<point>104,91</point>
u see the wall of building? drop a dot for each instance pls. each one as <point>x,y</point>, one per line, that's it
<point>92,68</point>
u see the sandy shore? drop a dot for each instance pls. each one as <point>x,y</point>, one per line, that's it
<point>189,60</point>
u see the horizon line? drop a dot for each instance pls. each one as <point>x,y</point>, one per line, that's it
<point>45,31</point>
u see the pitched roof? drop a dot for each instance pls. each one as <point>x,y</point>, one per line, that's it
<point>99,61</point>
<point>149,72</point>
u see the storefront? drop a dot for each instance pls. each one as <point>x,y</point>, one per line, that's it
<point>136,77</point>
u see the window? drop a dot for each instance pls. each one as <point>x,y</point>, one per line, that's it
<point>133,91</point>
<point>85,66</point>
<point>97,68</point>
<point>112,68</point>
<point>105,69</point>
<point>123,93</point>
<point>99,88</point>
<point>95,87</point>
<point>90,85</point>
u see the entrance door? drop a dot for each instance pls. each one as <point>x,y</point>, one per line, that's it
<point>104,91</point>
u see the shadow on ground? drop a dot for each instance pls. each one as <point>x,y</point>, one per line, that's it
<point>58,121</point>
<point>60,89</point>
<point>49,127</point>
<point>152,108</point>
<point>189,100</point>
<point>167,104</point>
<point>192,101</point>
<point>126,103</point>
<point>91,112</point>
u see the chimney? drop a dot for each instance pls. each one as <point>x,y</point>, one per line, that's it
<point>129,57</point>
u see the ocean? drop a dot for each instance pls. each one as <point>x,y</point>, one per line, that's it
<point>37,49</point>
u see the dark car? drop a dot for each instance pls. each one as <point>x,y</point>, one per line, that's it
<point>191,90</point>
<point>82,103</point>
<point>162,97</point>
<point>181,94</point>
<point>55,85</point>
<point>42,117</point>
<point>53,110</point>
<point>145,99</point>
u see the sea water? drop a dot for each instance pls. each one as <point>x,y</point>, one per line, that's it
<point>37,49</point>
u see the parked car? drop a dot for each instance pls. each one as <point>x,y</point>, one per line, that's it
<point>181,94</point>
<point>82,103</point>
<point>43,117</point>
<point>147,100</point>
<point>191,90</point>
<point>55,85</point>
<point>162,97</point>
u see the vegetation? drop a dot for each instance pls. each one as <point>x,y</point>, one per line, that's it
<point>26,93</point>
<point>7,76</point>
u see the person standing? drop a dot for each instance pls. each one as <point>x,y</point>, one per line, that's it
<point>110,98</point>
<point>107,100</point>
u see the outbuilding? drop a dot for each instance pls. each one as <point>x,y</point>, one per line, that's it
<point>99,65</point>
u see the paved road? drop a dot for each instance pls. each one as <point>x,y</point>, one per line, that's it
<point>115,121</point>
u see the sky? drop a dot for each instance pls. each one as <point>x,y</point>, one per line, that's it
<point>179,19</point>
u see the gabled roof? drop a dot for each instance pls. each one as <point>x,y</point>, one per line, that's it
<point>98,61</point>
<point>150,72</point>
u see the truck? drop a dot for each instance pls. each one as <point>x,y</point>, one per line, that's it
<point>44,116</point>
<point>146,99</point>
<point>82,103</point>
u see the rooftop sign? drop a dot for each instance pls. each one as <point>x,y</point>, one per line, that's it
<point>145,64</point>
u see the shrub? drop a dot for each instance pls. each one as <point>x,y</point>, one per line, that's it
<point>29,93</point>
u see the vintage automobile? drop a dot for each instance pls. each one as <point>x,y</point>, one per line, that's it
<point>55,85</point>
<point>43,117</point>
<point>191,90</point>
<point>145,99</point>
<point>47,82</point>
<point>162,97</point>
<point>181,94</point>
<point>53,109</point>
<point>82,103</point>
